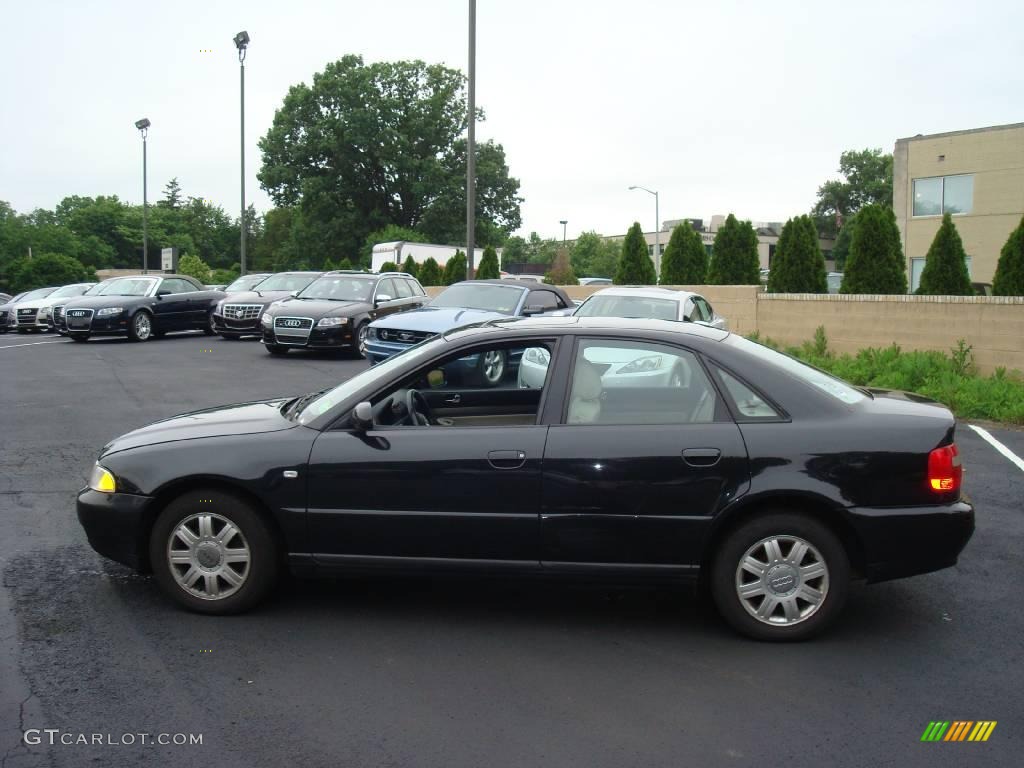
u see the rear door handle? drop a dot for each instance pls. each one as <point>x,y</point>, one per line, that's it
<point>701,457</point>
<point>506,459</point>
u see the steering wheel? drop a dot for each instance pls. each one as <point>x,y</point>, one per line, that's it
<point>417,409</point>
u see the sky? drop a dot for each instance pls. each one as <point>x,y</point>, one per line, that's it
<point>722,106</point>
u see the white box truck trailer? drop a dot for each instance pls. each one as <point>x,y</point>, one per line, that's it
<point>398,251</point>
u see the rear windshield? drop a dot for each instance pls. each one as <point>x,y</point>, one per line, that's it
<point>629,306</point>
<point>825,382</point>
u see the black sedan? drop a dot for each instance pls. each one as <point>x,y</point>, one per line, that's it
<point>141,307</point>
<point>334,312</point>
<point>239,313</point>
<point>769,481</point>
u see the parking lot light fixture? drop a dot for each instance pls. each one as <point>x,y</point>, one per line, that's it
<point>657,231</point>
<point>242,44</point>
<point>563,222</point>
<point>143,126</point>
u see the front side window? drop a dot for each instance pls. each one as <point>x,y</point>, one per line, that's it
<point>487,296</point>
<point>627,382</point>
<point>943,194</point>
<point>703,309</point>
<point>608,305</point>
<point>176,285</point>
<point>339,288</point>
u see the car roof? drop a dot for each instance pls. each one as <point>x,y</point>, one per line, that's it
<point>644,291</point>
<point>549,323</point>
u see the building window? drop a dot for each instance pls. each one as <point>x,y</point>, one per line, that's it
<point>650,250</point>
<point>917,267</point>
<point>943,194</point>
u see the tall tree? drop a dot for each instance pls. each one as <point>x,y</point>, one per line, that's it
<point>945,265</point>
<point>686,260</point>
<point>734,259</point>
<point>867,180</point>
<point>635,265</point>
<point>388,266</point>
<point>368,145</point>
<point>798,266</point>
<point>46,269</point>
<point>409,266</point>
<point>429,272</point>
<point>455,269</point>
<point>875,263</point>
<point>172,194</point>
<point>488,268</point>
<point>1009,279</point>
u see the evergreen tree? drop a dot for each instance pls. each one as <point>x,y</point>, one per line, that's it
<point>488,267</point>
<point>172,195</point>
<point>685,261</point>
<point>388,266</point>
<point>429,272</point>
<point>734,259</point>
<point>1009,279</point>
<point>635,265</point>
<point>798,266</point>
<point>455,269</point>
<point>875,263</point>
<point>841,250</point>
<point>561,270</point>
<point>945,266</point>
<point>329,266</point>
<point>345,263</point>
<point>409,265</point>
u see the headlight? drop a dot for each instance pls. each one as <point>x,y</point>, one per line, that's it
<point>47,311</point>
<point>329,321</point>
<point>110,311</point>
<point>267,319</point>
<point>219,309</point>
<point>102,480</point>
<point>642,365</point>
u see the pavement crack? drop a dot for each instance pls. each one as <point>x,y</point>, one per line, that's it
<point>21,731</point>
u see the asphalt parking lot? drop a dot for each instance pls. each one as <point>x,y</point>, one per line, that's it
<point>424,673</point>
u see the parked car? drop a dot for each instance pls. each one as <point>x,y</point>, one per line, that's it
<point>57,312</point>
<point>239,313</point>
<point>652,303</point>
<point>834,280</point>
<point>754,474</point>
<point>246,282</point>
<point>528,278</point>
<point>216,287</point>
<point>141,307</point>
<point>470,301</point>
<point>595,281</point>
<point>334,311</point>
<point>42,319</point>
<point>4,298</point>
<point>982,289</point>
<point>8,318</point>
<point>22,314</point>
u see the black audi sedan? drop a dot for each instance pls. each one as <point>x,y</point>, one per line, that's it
<point>141,307</point>
<point>768,480</point>
<point>239,313</point>
<point>334,312</point>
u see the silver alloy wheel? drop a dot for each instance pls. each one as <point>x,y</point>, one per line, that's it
<point>143,327</point>
<point>364,329</point>
<point>782,589</point>
<point>208,556</point>
<point>493,366</point>
<point>213,325</point>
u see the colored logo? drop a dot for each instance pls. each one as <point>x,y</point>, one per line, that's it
<point>958,730</point>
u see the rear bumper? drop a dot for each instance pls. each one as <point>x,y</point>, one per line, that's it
<point>906,541</point>
<point>116,525</point>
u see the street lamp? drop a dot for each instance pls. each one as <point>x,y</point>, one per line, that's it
<point>242,43</point>
<point>657,230</point>
<point>143,126</point>
<point>471,146</point>
<point>563,222</point>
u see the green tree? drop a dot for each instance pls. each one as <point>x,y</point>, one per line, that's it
<point>345,263</point>
<point>875,263</point>
<point>867,180</point>
<point>685,261</point>
<point>635,265</point>
<point>514,251</point>
<point>591,255</point>
<point>47,269</point>
<point>429,272</point>
<point>945,265</point>
<point>1009,279</point>
<point>488,268</point>
<point>798,266</point>
<point>841,249</point>
<point>195,267</point>
<point>455,269</point>
<point>561,270</point>
<point>367,145</point>
<point>388,266</point>
<point>409,266</point>
<point>172,195</point>
<point>734,259</point>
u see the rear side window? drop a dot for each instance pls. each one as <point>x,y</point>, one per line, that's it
<point>545,299</point>
<point>749,405</point>
<point>703,309</point>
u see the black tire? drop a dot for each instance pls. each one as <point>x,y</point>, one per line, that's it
<point>209,329</point>
<point>140,327</point>
<point>358,344</point>
<point>231,336</point>
<point>79,336</point>
<point>257,576</point>
<point>23,330</point>
<point>276,349</point>
<point>780,523</point>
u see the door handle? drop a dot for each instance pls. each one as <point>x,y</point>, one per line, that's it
<point>506,459</point>
<point>454,399</point>
<point>701,457</point>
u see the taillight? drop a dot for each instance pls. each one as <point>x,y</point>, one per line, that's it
<point>944,471</point>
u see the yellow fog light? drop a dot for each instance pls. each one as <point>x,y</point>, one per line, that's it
<point>102,480</point>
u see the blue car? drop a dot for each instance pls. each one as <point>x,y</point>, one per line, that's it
<point>465,303</point>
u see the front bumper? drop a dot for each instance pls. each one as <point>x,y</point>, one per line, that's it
<point>906,541</point>
<point>223,324</point>
<point>106,325</point>
<point>331,337</point>
<point>378,350</point>
<point>117,525</point>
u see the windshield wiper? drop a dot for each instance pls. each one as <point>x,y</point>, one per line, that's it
<point>295,406</point>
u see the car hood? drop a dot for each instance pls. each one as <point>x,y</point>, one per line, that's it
<point>317,308</point>
<point>436,319</point>
<point>240,419</point>
<point>34,304</point>
<point>256,297</point>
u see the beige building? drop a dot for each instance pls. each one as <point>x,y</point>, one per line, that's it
<point>977,176</point>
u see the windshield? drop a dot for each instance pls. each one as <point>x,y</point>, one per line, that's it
<point>629,306</point>
<point>126,286</point>
<point>38,293</point>
<point>69,290</point>
<point>340,288</point>
<point>381,370</point>
<point>286,281</point>
<point>825,382</point>
<point>246,283</point>
<point>495,298</point>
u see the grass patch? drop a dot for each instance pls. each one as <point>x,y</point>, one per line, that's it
<point>951,378</point>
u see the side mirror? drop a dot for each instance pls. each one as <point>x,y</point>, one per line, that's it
<point>533,309</point>
<point>294,293</point>
<point>162,292</point>
<point>362,416</point>
<point>382,298</point>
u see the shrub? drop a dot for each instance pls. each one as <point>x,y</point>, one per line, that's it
<point>798,266</point>
<point>875,263</point>
<point>945,266</point>
<point>635,265</point>
<point>455,269</point>
<point>734,259</point>
<point>388,266</point>
<point>1009,279</point>
<point>47,269</point>
<point>429,272</point>
<point>488,267</point>
<point>344,263</point>
<point>685,261</point>
<point>195,267</point>
<point>410,266</point>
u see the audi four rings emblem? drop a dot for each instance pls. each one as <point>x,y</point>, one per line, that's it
<point>291,323</point>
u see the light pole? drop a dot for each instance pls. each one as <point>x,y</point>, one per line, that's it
<point>143,126</point>
<point>471,146</point>
<point>657,231</point>
<point>242,42</point>
<point>563,222</point>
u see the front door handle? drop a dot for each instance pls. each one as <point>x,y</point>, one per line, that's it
<point>702,457</point>
<point>454,399</point>
<point>506,459</point>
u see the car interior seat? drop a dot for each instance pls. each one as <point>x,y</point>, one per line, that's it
<point>585,405</point>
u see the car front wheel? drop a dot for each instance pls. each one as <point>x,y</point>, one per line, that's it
<point>140,328</point>
<point>491,368</point>
<point>210,329</point>
<point>780,576</point>
<point>213,553</point>
<point>276,349</point>
<point>361,333</point>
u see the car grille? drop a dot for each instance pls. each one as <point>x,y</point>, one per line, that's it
<point>403,337</point>
<point>27,316</point>
<point>78,319</point>
<point>292,330</point>
<point>242,311</point>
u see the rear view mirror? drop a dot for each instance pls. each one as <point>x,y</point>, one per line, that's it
<point>362,416</point>
<point>294,293</point>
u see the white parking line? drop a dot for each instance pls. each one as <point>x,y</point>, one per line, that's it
<point>36,343</point>
<point>984,435</point>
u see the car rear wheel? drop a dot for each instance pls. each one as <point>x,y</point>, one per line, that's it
<point>213,553</point>
<point>492,366</point>
<point>140,327</point>
<point>276,349</point>
<point>780,576</point>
